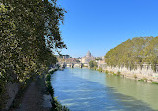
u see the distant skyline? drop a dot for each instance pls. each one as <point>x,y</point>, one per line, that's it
<point>98,26</point>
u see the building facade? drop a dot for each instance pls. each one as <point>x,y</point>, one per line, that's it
<point>87,58</point>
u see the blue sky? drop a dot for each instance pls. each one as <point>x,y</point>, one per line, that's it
<point>100,25</point>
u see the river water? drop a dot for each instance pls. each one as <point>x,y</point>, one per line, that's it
<point>89,90</point>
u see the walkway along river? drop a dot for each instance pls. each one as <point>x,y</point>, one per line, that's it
<point>88,90</point>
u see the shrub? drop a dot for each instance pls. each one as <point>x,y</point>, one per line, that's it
<point>93,64</point>
<point>100,69</point>
<point>154,82</point>
<point>107,72</point>
<point>56,106</point>
<point>135,76</point>
<point>145,79</point>
<point>48,77</point>
<point>118,73</point>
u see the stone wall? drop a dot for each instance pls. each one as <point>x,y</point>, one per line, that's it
<point>12,90</point>
<point>140,72</point>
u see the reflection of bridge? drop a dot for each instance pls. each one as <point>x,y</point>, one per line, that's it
<point>72,65</point>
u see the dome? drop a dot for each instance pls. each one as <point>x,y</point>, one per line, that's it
<point>88,54</point>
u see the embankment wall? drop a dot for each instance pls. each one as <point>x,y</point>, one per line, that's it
<point>11,91</point>
<point>143,72</point>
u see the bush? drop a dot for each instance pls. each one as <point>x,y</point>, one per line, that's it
<point>107,72</point>
<point>135,76</point>
<point>154,82</point>
<point>118,73</point>
<point>56,106</point>
<point>100,69</point>
<point>48,77</point>
<point>145,79</point>
<point>141,80</point>
<point>93,64</point>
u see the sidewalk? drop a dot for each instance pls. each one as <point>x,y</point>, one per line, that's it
<point>33,98</point>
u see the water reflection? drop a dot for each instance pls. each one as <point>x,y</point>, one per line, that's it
<point>141,91</point>
<point>84,89</point>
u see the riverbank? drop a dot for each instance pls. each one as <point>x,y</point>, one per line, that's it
<point>56,106</point>
<point>38,96</point>
<point>81,89</point>
<point>32,98</point>
<point>138,75</point>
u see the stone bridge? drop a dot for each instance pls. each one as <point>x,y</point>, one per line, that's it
<point>72,65</point>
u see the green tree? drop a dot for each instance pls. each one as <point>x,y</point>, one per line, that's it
<point>93,64</point>
<point>134,52</point>
<point>29,35</point>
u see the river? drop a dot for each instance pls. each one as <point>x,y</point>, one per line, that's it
<point>89,90</point>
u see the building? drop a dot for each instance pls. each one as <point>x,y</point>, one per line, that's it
<point>63,56</point>
<point>87,58</point>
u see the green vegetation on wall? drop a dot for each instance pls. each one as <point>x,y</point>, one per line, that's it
<point>56,106</point>
<point>133,52</point>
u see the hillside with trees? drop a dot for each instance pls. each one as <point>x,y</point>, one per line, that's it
<point>133,52</point>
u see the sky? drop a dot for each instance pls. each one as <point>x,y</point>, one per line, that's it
<point>100,25</point>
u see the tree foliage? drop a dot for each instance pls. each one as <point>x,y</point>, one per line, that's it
<point>132,52</point>
<point>29,34</point>
<point>93,64</point>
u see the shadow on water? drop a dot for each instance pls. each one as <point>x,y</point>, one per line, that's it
<point>86,90</point>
